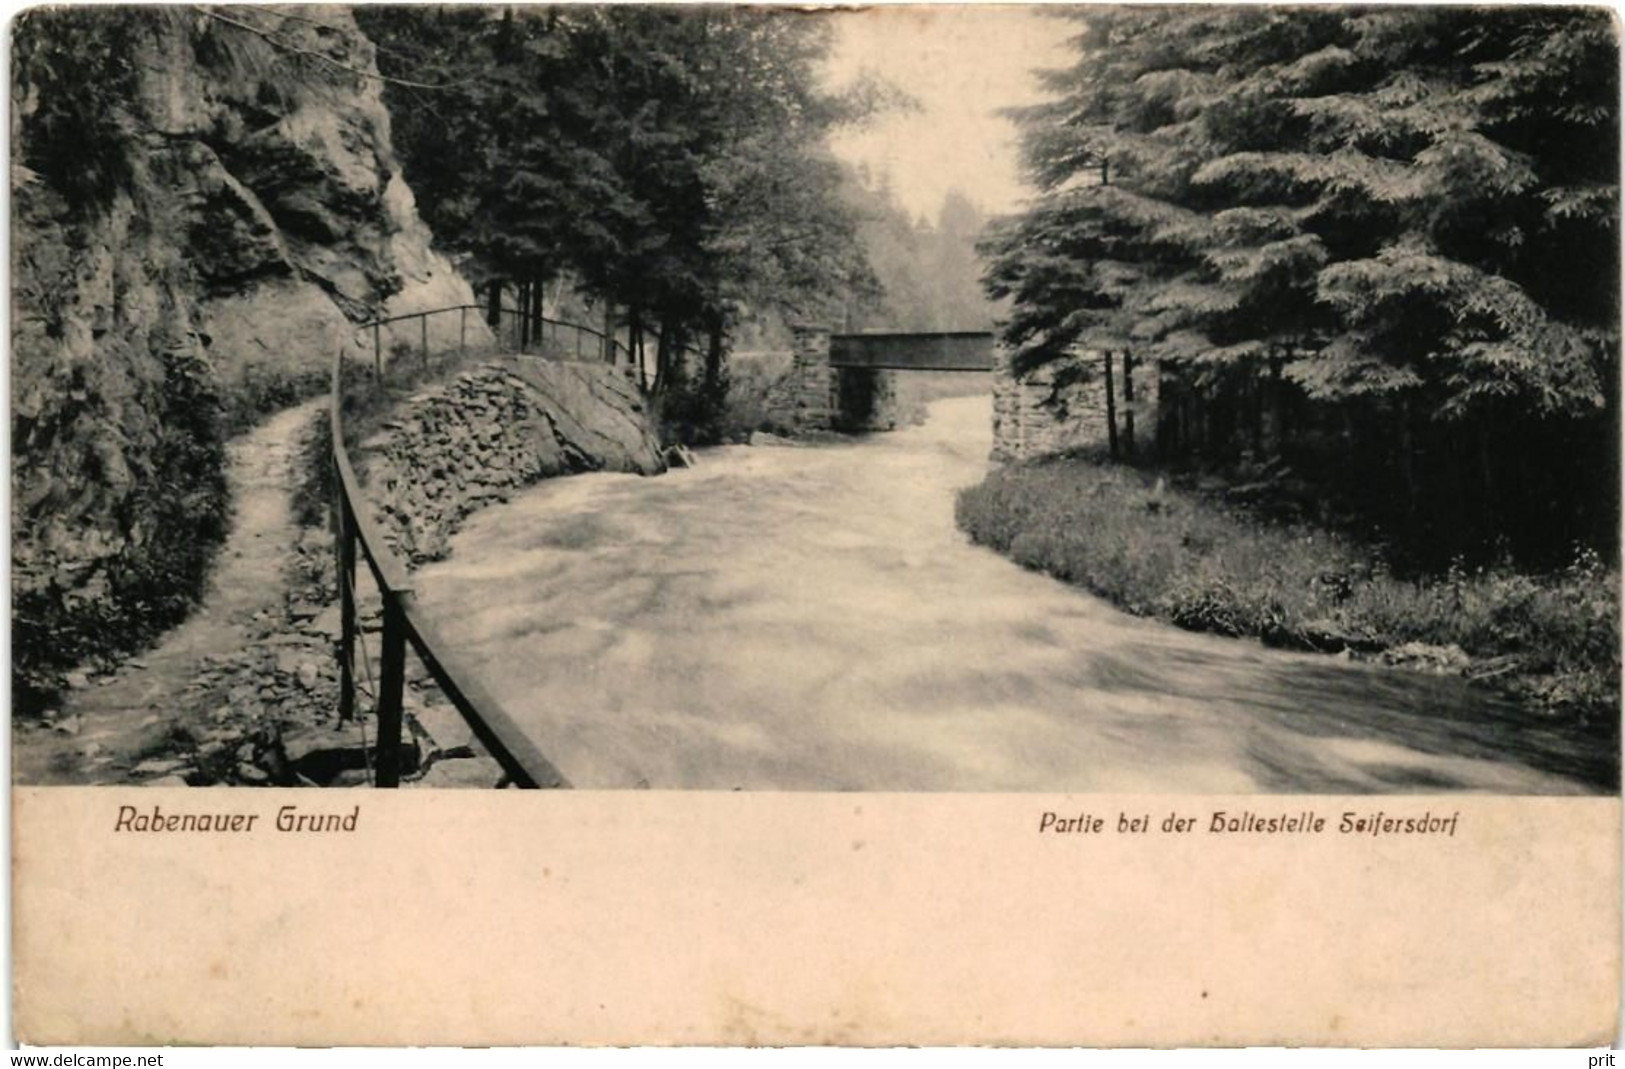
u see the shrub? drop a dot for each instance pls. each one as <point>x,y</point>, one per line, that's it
<point>745,402</point>
<point>264,389</point>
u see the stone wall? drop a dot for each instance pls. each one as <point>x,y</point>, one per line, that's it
<point>1062,406</point>
<point>812,381</point>
<point>822,398</point>
<point>495,429</point>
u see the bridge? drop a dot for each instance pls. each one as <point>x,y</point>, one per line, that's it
<point>964,350</point>
<point>844,381</point>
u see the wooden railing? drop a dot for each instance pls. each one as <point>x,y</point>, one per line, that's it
<point>405,622</point>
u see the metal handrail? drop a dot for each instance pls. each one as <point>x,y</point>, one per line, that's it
<point>536,325</point>
<point>406,623</point>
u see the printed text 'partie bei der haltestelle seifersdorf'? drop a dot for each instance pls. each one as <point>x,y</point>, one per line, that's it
<point>1244,822</point>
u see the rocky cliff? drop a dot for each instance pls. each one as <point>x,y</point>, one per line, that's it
<point>200,197</point>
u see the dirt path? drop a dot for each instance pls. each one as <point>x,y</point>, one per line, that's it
<point>125,725</point>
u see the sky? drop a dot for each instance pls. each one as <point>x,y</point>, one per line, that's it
<point>962,63</point>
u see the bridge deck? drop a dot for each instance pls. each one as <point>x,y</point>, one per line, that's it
<point>950,351</point>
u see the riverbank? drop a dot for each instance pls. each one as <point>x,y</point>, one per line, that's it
<point>1189,557</point>
<point>811,619</point>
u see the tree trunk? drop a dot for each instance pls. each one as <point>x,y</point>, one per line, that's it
<point>1255,383</point>
<point>713,356</point>
<point>538,334</point>
<point>1486,474</point>
<point>1128,403</point>
<point>1111,409</point>
<point>610,327</point>
<point>524,318</point>
<point>634,334</point>
<point>1277,405</point>
<point>1166,427</point>
<point>1407,462</point>
<point>493,306</point>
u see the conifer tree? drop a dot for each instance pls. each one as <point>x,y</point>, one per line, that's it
<point>1409,213</point>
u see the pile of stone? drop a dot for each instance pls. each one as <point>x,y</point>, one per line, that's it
<point>504,425</point>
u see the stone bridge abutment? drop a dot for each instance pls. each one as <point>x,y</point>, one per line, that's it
<point>847,382</point>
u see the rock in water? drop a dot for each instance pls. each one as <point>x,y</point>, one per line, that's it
<point>1450,660</point>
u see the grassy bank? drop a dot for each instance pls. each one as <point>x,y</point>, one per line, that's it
<point>1190,558</point>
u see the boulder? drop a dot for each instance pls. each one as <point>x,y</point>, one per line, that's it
<point>1450,660</point>
<point>479,773</point>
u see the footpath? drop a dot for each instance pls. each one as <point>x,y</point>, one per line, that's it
<point>245,691</point>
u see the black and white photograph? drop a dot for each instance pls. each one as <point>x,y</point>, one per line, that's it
<point>946,524</point>
<point>950,399</point>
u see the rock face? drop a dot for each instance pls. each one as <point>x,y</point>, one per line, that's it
<point>243,212</point>
<point>492,430</point>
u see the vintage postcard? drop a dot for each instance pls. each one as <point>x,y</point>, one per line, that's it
<point>954,524</point>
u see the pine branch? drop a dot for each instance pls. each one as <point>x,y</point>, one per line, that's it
<point>286,46</point>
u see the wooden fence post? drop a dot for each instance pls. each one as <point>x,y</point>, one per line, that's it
<point>423,321</point>
<point>377,350</point>
<point>391,685</point>
<point>462,331</point>
<point>345,536</point>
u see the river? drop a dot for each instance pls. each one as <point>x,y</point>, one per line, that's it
<point>810,618</point>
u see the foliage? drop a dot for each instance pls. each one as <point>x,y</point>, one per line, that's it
<point>928,270</point>
<point>1197,561</point>
<point>264,389</point>
<point>750,400</point>
<point>1405,216</point>
<point>77,141</point>
<point>669,160</point>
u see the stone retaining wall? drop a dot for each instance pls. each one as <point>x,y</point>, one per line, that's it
<point>1062,406</point>
<point>492,430</point>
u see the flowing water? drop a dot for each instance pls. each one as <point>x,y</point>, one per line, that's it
<point>810,618</point>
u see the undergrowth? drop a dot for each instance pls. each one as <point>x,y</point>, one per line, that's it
<point>1191,559</point>
<point>745,400</point>
<point>263,390</point>
<point>183,506</point>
